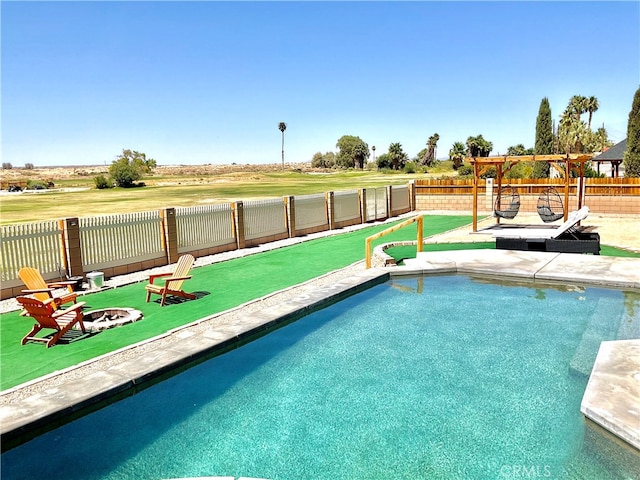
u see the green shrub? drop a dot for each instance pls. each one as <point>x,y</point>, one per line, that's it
<point>590,172</point>
<point>36,185</point>
<point>102,182</point>
<point>465,171</point>
<point>490,173</point>
<point>410,167</point>
<point>521,170</point>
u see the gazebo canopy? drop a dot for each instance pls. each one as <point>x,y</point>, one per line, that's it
<point>564,164</point>
<point>614,155</point>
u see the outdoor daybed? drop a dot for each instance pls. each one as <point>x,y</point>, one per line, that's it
<point>566,238</point>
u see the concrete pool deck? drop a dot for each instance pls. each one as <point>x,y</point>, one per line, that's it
<point>30,409</point>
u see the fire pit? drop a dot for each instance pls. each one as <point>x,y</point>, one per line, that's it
<point>98,320</point>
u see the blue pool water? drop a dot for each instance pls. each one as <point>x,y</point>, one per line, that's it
<point>436,378</point>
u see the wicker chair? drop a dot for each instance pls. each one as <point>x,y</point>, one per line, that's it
<point>550,207</point>
<point>507,203</point>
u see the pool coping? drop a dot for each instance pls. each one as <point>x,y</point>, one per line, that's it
<point>25,414</point>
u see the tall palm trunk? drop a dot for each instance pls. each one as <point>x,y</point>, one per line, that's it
<point>282,127</point>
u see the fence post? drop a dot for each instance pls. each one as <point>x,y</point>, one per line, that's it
<point>389,201</point>
<point>169,234</point>
<point>238,217</point>
<point>290,206</point>
<point>412,195</point>
<point>363,205</point>
<point>71,246</point>
<point>330,206</point>
<point>488,194</point>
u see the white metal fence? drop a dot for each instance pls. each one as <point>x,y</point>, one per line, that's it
<point>400,201</point>
<point>204,226</point>
<point>310,211</point>
<point>376,203</point>
<point>346,205</point>
<point>263,218</point>
<point>108,240</point>
<point>112,241</point>
<point>34,245</point>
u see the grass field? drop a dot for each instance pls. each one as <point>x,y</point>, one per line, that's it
<point>77,196</point>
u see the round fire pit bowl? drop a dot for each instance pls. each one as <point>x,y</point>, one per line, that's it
<point>104,318</point>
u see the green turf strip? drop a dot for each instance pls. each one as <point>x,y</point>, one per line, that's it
<point>617,252</point>
<point>220,286</point>
<point>403,252</point>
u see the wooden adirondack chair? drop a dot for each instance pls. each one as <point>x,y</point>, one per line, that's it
<point>42,290</point>
<point>172,281</point>
<point>50,317</point>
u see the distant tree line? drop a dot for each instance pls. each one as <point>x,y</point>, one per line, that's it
<point>353,152</point>
<point>572,135</point>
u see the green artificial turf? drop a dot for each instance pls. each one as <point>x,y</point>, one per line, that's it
<point>617,252</point>
<point>403,252</point>
<point>219,287</point>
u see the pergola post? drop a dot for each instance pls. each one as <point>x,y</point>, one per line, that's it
<point>567,177</point>
<point>475,197</point>
<point>498,195</point>
<point>581,183</point>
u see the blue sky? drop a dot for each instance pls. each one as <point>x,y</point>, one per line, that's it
<point>208,82</point>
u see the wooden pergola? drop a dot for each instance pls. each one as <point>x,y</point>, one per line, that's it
<point>564,164</point>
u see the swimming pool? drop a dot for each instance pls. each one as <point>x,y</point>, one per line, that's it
<point>437,377</point>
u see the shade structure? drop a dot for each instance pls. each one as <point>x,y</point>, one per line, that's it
<point>565,165</point>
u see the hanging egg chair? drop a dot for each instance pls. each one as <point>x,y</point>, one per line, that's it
<point>550,206</point>
<point>507,202</point>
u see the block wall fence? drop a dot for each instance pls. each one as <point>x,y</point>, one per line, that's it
<point>601,195</point>
<point>629,205</point>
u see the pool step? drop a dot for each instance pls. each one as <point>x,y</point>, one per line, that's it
<point>602,456</point>
<point>630,323</point>
<point>603,325</point>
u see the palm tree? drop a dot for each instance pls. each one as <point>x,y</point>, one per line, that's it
<point>478,146</point>
<point>591,104</point>
<point>397,156</point>
<point>577,106</point>
<point>473,147</point>
<point>484,146</point>
<point>457,153</point>
<point>360,153</point>
<point>282,127</point>
<point>571,133</point>
<point>430,155</point>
